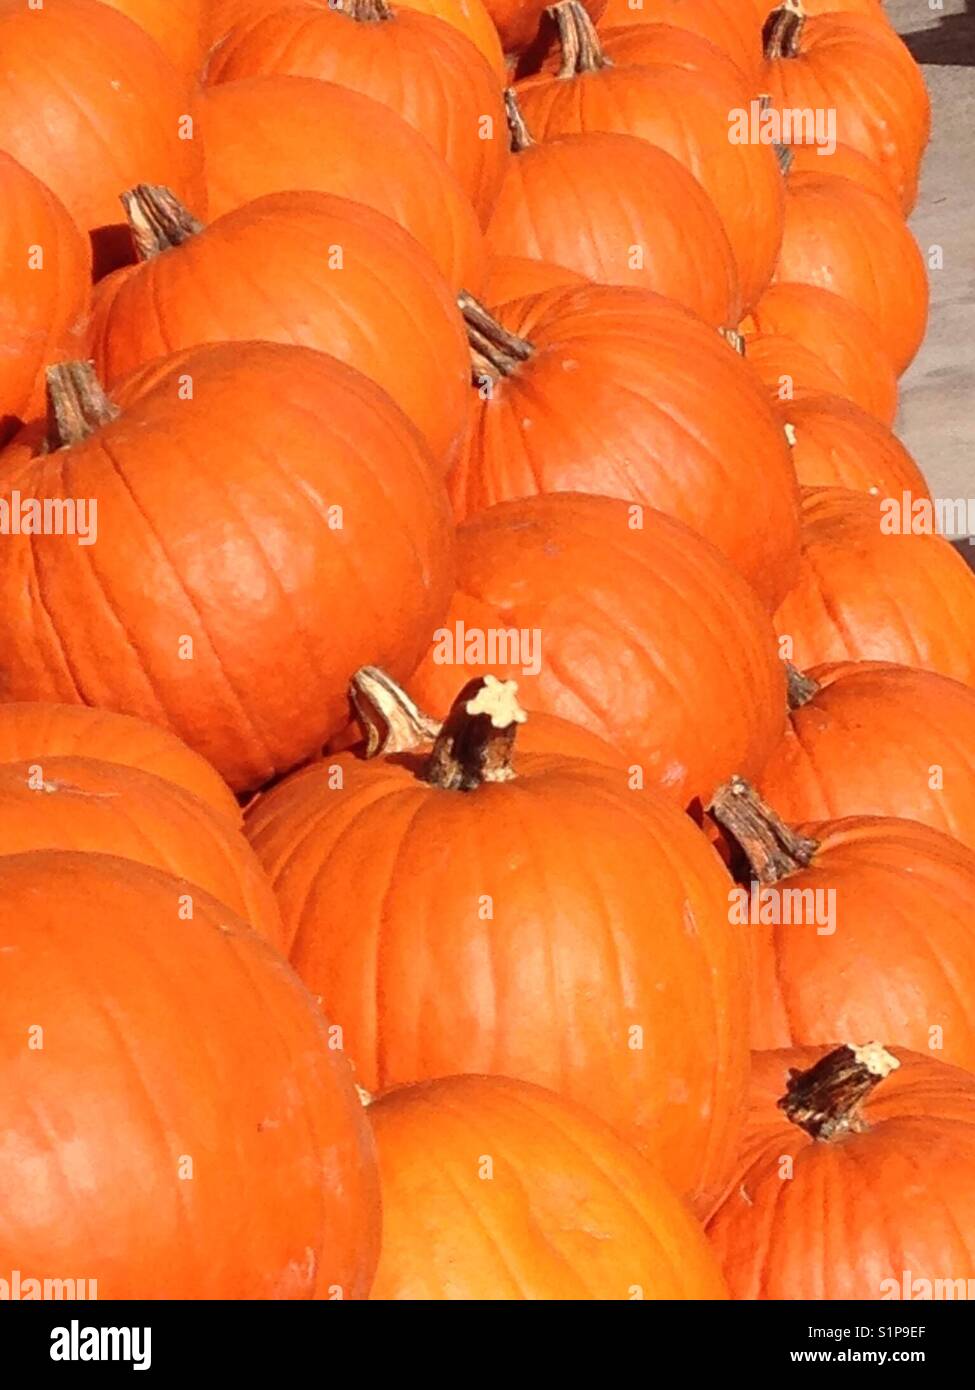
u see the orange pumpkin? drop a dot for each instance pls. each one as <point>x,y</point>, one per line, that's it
<point>787,369</point>
<point>277,134</point>
<point>666,45</point>
<point>867,738</point>
<point>724,23</point>
<point>176,25</point>
<point>266,504</point>
<point>668,419</point>
<point>102,109</point>
<point>869,590</point>
<point>873,1151</point>
<point>382,307</point>
<point>569,1211</point>
<point>516,277</point>
<point>185,1053</point>
<point>512,903</point>
<point>683,623</point>
<point>836,444</point>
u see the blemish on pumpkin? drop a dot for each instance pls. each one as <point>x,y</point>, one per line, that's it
<point>690,921</point>
<point>743,1194</point>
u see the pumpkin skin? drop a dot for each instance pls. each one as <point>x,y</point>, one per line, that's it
<point>276,628</point>
<point>113,108</point>
<point>256,273</point>
<point>665,45</point>
<point>845,239</point>
<point>283,1202</point>
<point>840,335</point>
<point>275,134</point>
<point>684,621</point>
<point>518,21</point>
<point>864,71</point>
<point>568,917</point>
<point>176,26</point>
<point>33,732</point>
<point>420,67</point>
<point>904,1184</point>
<point>865,595</point>
<point>636,197</point>
<point>836,444</point>
<point>516,277</point>
<point>859,747</point>
<point>724,23</point>
<point>789,370</point>
<point>671,420</point>
<point>533,1231</point>
<point>43,307</point>
<point>80,803</point>
<point>843,162</point>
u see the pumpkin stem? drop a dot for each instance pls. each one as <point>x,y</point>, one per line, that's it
<point>157,220</point>
<point>389,719</point>
<point>801,688</point>
<point>734,339</point>
<point>578,40</point>
<point>521,138</point>
<point>76,404</point>
<point>772,849</point>
<point>783,30</point>
<point>365,11</point>
<point>825,1100</point>
<point>786,157</point>
<point>494,351</point>
<point>477,737</point>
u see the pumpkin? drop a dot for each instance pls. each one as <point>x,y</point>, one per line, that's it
<point>724,23</point>
<point>383,308</point>
<point>867,738</point>
<point>516,277</point>
<point>858,927</point>
<point>103,109</point>
<point>569,1211</point>
<point>503,950</point>
<point>836,444</point>
<point>642,211</point>
<point>871,591</point>
<point>839,334</point>
<point>846,239</point>
<point>81,803</point>
<point>271,529</point>
<point>188,1077</point>
<point>669,419</point>
<point>850,64</point>
<point>422,68</point>
<point>637,617</point>
<point>666,45</point>
<point>276,134</point>
<point>785,368</point>
<point>45,263</point>
<point>176,26</point>
<point>843,162</point>
<point>33,732</point>
<point>856,1179</point>
<point>682,112</point>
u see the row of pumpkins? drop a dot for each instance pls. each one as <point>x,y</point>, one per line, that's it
<point>330,966</point>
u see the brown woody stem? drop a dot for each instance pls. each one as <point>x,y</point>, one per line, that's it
<point>366,11</point>
<point>772,849</point>
<point>157,220</point>
<point>734,339</point>
<point>521,138</point>
<point>477,738</point>
<point>494,351</point>
<point>800,687</point>
<point>578,40</point>
<point>786,158</point>
<point>783,30</point>
<point>825,1100</point>
<point>390,721</point>
<point>76,404</point>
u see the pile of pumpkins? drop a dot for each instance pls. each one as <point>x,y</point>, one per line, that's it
<point>347,948</point>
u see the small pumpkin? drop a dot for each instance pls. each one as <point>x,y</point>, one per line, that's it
<point>570,1211</point>
<point>855,744</point>
<point>870,591</point>
<point>836,444</point>
<point>188,1055</point>
<point>510,904</point>
<point>887,1140</point>
<point>725,23</point>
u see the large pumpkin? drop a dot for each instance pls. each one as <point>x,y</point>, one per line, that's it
<point>176,1122</point>
<point>496,1189</point>
<point>176,25</point>
<point>870,591</point>
<point>508,914</point>
<point>45,266</point>
<point>865,738</point>
<point>858,928</point>
<point>273,521</point>
<point>683,112</point>
<point>305,268</point>
<point>422,68</point>
<point>639,622</point>
<point>668,418</point>
<point>91,105</point>
<point>844,238</point>
<point>836,444</point>
<point>725,23</point>
<point>276,134</point>
<point>618,210</point>
<point>862,71</point>
<point>856,1179</point>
